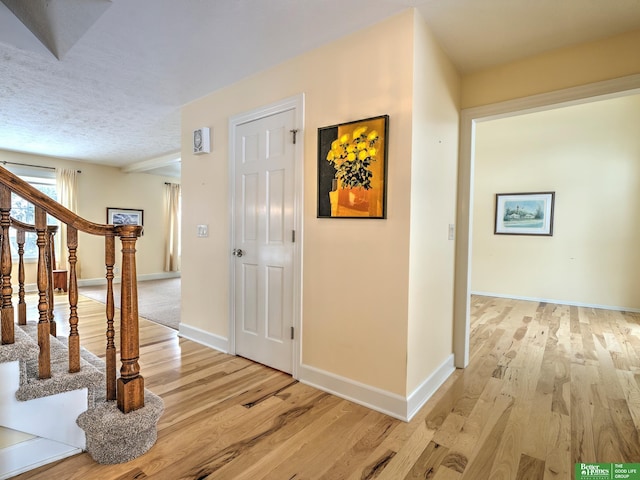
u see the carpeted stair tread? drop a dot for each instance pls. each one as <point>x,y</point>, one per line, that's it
<point>61,380</point>
<point>22,349</point>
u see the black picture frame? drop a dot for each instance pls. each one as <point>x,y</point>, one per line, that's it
<point>524,213</point>
<point>352,169</point>
<point>125,216</point>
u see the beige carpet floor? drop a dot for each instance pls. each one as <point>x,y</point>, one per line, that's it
<point>158,300</point>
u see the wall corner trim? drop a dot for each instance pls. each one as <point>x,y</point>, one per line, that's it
<point>420,396</point>
<point>374,398</point>
<point>204,338</point>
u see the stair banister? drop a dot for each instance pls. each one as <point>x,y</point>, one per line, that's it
<point>129,389</point>
<point>53,208</point>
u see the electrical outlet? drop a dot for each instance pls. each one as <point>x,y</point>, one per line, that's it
<point>452,231</point>
<point>116,269</point>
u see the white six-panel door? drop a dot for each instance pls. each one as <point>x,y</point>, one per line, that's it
<point>264,239</point>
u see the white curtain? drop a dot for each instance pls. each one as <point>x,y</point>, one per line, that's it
<point>172,199</point>
<point>67,187</point>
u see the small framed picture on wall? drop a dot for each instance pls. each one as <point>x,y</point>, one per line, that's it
<point>125,216</point>
<point>524,213</point>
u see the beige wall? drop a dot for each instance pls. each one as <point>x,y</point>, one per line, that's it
<point>100,187</point>
<point>433,202</point>
<point>563,68</point>
<point>355,319</point>
<point>578,66</point>
<point>590,156</point>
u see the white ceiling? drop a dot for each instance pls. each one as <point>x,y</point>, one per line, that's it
<point>114,96</point>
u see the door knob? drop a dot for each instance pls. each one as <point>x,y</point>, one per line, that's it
<point>238,252</point>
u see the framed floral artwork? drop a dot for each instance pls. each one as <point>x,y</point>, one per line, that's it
<point>352,169</point>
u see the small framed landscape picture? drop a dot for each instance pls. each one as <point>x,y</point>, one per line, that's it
<point>524,213</point>
<point>124,216</point>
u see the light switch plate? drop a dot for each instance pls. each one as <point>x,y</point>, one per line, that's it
<point>203,230</point>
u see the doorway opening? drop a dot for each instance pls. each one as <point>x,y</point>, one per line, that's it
<point>469,121</point>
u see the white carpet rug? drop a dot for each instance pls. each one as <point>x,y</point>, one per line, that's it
<point>158,300</point>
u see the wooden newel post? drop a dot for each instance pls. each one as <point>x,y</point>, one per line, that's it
<point>7,318</point>
<point>130,391</point>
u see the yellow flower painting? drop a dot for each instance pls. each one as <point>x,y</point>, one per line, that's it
<point>352,169</point>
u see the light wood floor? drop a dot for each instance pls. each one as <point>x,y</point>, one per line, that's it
<point>547,386</point>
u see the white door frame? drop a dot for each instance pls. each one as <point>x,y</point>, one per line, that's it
<point>292,103</point>
<point>468,118</point>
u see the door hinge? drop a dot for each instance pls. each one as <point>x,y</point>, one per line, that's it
<point>294,132</point>
<point>293,236</point>
<point>291,333</point>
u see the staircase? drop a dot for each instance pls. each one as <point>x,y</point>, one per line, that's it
<point>50,387</point>
<point>48,409</point>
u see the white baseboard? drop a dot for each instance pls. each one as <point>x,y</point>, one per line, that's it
<point>559,302</point>
<point>204,338</point>
<point>374,398</point>
<point>377,399</point>
<point>28,288</point>
<point>34,453</point>
<point>94,282</point>
<point>425,391</point>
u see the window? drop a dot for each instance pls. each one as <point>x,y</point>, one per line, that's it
<point>24,211</point>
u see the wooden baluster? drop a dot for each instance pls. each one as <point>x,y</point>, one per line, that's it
<point>130,391</point>
<point>110,260</point>
<point>22,305</point>
<point>7,316</point>
<point>49,259</point>
<point>44,358</point>
<point>74,337</point>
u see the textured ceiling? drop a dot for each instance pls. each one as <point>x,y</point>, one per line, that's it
<point>114,96</point>
<point>58,24</point>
